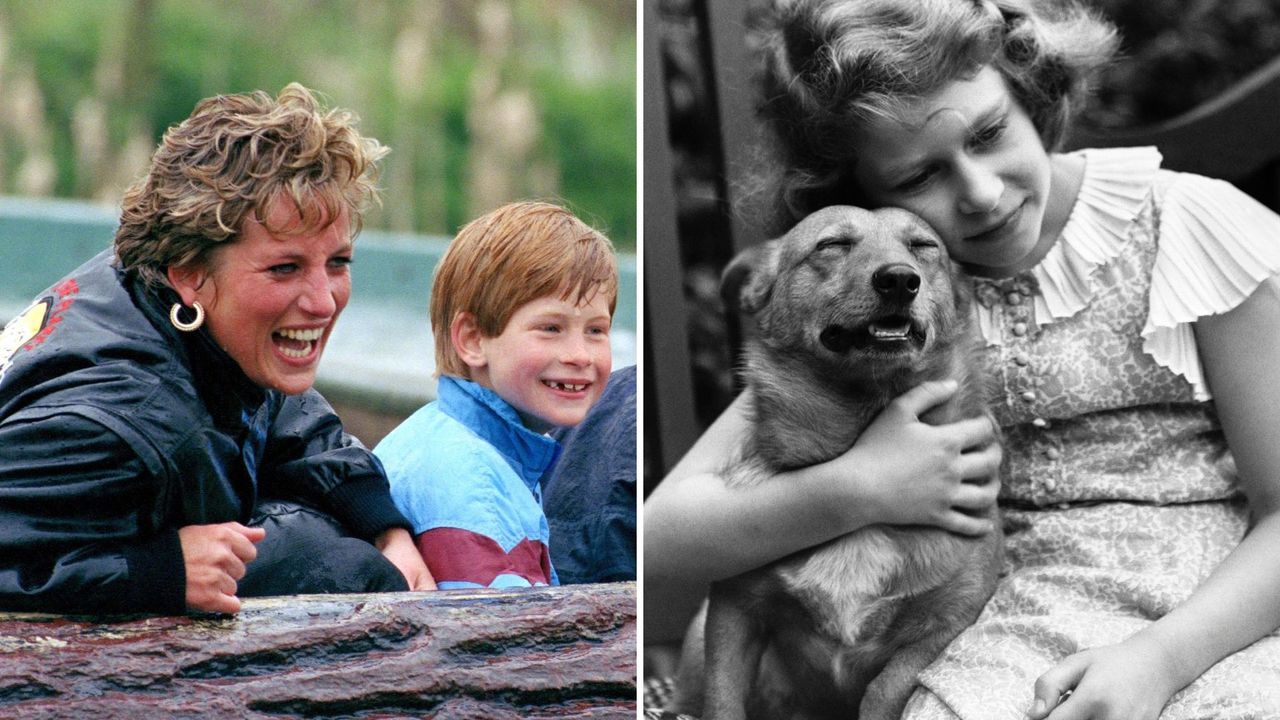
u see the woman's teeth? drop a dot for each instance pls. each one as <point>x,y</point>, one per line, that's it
<point>307,335</point>
<point>298,343</point>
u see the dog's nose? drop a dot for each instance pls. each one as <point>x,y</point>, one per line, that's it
<point>897,282</point>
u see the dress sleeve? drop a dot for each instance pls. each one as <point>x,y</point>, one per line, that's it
<point>310,457</point>
<point>79,521</point>
<point>1216,245</point>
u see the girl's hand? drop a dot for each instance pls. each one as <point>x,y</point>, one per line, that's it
<point>397,546</point>
<point>1128,681</point>
<point>913,473</point>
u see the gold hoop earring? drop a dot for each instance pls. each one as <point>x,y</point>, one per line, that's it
<point>187,326</point>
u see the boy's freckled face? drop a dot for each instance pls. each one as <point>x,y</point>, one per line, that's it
<point>551,361</point>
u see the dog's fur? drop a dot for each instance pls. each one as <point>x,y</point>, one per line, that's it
<point>841,329</point>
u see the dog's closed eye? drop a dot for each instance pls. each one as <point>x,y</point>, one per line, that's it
<point>841,244</point>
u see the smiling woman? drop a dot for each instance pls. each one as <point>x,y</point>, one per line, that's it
<point>172,380</point>
<point>272,297</point>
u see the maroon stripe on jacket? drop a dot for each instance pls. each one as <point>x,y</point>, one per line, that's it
<point>454,554</point>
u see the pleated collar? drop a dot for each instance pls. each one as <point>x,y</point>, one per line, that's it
<point>1116,186</point>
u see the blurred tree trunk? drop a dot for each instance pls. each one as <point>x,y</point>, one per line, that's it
<point>502,120</point>
<point>417,164</point>
<point>110,130</point>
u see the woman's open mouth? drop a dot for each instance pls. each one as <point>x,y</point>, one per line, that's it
<point>297,344</point>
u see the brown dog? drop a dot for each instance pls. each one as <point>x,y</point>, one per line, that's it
<point>852,308</point>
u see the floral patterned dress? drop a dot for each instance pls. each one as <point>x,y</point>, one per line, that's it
<point>1119,493</point>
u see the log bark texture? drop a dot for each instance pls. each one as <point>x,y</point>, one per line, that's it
<point>565,652</point>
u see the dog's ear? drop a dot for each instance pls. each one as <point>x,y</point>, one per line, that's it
<point>747,282</point>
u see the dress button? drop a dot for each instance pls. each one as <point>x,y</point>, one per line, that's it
<point>1022,359</point>
<point>1040,423</point>
<point>1013,298</point>
<point>1019,329</point>
<point>1029,396</point>
<point>1053,453</point>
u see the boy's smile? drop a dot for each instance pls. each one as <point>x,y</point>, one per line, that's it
<point>551,361</point>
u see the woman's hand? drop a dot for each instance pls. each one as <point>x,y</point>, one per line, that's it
<point>397,546</point>
<point>215,556</point>
<point>1128,681</point>
<point>912,473</point>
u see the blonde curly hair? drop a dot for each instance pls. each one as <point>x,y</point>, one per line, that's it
<point>829,66</point>
<point>235,155</point>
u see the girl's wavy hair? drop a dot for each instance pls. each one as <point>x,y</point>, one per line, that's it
<point>508,257</point>
<point>831,65</point>
<point>235,155</point>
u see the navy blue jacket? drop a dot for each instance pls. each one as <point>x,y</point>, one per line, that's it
<point>116,429</point>
<point>590,495</point>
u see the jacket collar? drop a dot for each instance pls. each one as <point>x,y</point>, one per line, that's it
<point>224,388</point>
<point>483,411</point>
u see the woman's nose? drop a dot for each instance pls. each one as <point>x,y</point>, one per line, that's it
<point>320,296</point>
<point>980,189</point>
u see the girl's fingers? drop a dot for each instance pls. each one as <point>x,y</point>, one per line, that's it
<point>976,432</point>
<point>921,398</point>
<point>981,468</point>
<point>973,498</point>
<point>962,524</point>
<point>1051,686</point>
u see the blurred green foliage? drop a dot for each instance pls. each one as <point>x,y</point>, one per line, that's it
<point>88,86</point>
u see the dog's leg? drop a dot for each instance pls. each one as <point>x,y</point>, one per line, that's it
<point>888,693</point>
<point>734,645</point>
<point>690,683</point>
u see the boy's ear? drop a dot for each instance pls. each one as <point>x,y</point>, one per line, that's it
<point>186,281</point>
<point>465,335</point>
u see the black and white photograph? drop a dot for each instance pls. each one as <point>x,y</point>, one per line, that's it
<point>959,359</point>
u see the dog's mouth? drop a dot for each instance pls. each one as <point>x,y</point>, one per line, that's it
<point>892,333</point>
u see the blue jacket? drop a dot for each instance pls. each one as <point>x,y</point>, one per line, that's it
<point>465,471</point>
<point>116,429</point>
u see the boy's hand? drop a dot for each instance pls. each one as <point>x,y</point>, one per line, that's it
<point>397,546</point>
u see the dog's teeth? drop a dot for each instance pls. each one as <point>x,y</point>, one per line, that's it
<point>886,333</point>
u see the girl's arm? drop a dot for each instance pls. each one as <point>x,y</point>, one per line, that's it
<point>1240,601</point>
<point>900,471</point>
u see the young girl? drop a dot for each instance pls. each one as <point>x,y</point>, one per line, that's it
<point>1130,319</point>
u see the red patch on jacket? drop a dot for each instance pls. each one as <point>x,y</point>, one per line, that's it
<point>33,326</point>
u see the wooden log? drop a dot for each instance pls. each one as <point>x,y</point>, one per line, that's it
<point>564,652</point>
